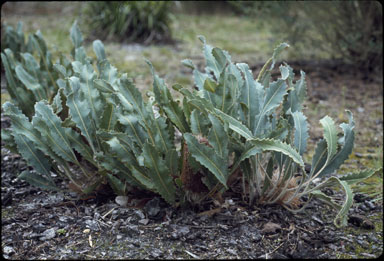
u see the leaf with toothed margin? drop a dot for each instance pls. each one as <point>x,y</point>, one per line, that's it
<point>164,98</point>
<point>34,156</point>
<point>354,178</point>
<point>320,157</point>
<point>199,123</point>
<point>208,158</point>
<point>80,111</point>
<point>86,75</point>
<point>273,98</point>
<point>49,125</point>
<point>234,124</point>
<point>131,99</point>
<point>347,143</point>
<point>159,174</point>
<point>330,135</point>
<point>217,137</point>
<point>22,126</point>
<point>301,131</point>
<point>251,96</point>
<point>279,146</point>
<point>31,83</point>
<point>38,180</point>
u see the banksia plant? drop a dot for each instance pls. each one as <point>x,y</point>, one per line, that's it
<point>235,132</point>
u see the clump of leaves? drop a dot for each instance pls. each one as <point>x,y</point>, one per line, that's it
<point>234,131</point>
<point>131,21</point>
<point>28,80</point>
<point>265,132</point>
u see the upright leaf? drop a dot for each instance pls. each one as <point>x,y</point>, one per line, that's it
<point>160,173</point>
<point>273,98</point>
<point>301,131</point>
<point>208,158</point>
<point>330,135</point>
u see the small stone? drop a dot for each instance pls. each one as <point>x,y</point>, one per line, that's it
<point>92,224</point>
<point>144,221</point>
<point>8,250</point>
<point>370,205</point>
<point>140,214</point>
<point>122,200</point>
<point>270,227</point>
<point>231,251</point>
<point>48,234</point>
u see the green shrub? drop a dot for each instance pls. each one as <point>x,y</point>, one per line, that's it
<point>347,30</point>
<point>234,129</point>
<point>138,21</point>
<point>14,39</point>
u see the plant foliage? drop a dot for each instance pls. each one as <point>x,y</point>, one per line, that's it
<point>351,31</point>
<point>141,21</point>
<point>235,131</point>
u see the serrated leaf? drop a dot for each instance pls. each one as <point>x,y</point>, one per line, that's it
<point>347,142</point>
<point>31,83</point>
<point>301,131</point>
<point>56,104</point>
<point>117,186</point>
<point>208,158</point>
<point>354,178</point>
<point>109,118</point>
<point>86,74</point>
<point>218,137</point>
<point>188,63</point>
<point>80,112</point>
<point>37,180</point>
<point>251,95</point>
<point>330,135</point>
<point>234,124</point>
<point>273,98</point>
<point>279,146</point>
<point>108,73</point>
<point>163,140</point>
<point>160,173</point>
<point>60,69</point>
<point>320,157</point>
<point>33,156</point>
<point>49,125</point>
<point>22,126</point>
<point>134,129</point>
<point>165,100</point>
<point>199,123</point>
<point>130,96</point>
<point>276,52</point>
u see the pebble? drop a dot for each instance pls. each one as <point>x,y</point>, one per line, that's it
<point>370,205</point>
<point>48,234</point>
<point>8,250</point>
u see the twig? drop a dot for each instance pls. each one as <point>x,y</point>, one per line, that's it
<point>191,254</point>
